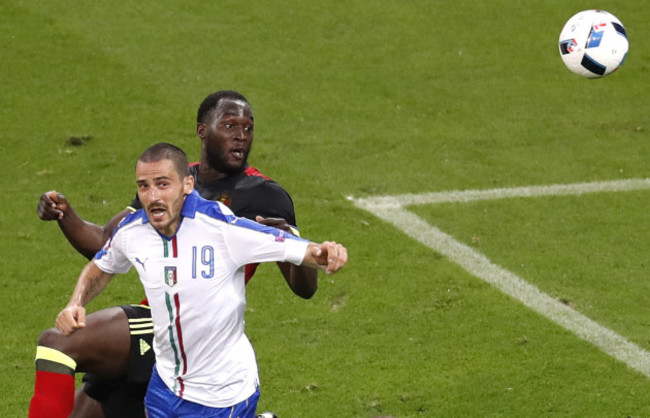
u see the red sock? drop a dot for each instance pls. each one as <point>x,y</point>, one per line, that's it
<point>53,395</point>
<point>54,386</point>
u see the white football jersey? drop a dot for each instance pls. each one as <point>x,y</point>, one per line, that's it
<point>194,282</point>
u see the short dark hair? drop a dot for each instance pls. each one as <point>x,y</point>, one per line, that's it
<point>166,151</point>
<point>212,101</point>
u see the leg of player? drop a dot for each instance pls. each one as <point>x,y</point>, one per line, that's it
<point>85,406</point>
<point>102,347</point>
<point>117,398</point>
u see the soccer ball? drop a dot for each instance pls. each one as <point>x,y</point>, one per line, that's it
<point>593,43</point>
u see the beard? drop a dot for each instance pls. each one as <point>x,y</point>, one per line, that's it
<point>218,160</point>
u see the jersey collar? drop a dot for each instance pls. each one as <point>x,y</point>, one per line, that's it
<point>190,204</point>
<point>189,207</point>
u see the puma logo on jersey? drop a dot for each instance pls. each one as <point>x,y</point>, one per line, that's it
<point>142,262</point>
<point>144,347</point>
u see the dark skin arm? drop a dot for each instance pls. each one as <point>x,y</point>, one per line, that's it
<point>302,280</point>
<point>86,237</point>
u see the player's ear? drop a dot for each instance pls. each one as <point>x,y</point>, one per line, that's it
<point>200,130</point>
<point>188,184</point>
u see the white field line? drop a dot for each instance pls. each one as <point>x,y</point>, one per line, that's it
<point>372,203</point>
<point>391,209</point>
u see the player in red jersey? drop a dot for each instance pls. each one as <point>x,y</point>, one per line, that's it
<point>114,349</point>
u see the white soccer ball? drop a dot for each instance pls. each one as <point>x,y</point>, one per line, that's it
<point>593,43</point>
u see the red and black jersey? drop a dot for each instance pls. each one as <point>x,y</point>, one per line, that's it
<point>248,194</point>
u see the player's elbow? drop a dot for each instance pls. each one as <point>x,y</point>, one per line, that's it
<point>306,289</point>
<point>305,294</point>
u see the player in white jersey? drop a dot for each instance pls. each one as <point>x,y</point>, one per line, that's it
<point>190,254</point>
<point>114,349</point>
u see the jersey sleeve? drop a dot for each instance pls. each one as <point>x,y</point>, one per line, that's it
<point>250,242</point>
<point>112,258</point>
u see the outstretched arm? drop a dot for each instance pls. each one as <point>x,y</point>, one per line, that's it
<point>91,282</point>
<point>86,237</point>
<point>303,280</point>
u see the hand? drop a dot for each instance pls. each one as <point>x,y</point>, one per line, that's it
<point>278,223</point>
<point>330,255</point>
<point>52,206</point>
<point>71,319</point>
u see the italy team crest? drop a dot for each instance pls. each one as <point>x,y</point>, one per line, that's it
<point>170,275</point>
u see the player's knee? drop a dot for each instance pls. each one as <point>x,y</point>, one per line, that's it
<point>48,338</point>
<point>52,338</point>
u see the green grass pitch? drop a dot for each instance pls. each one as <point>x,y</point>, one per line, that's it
<point>353,98</point>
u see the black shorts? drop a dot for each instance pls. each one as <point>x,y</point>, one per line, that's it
<point>124,397</point>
